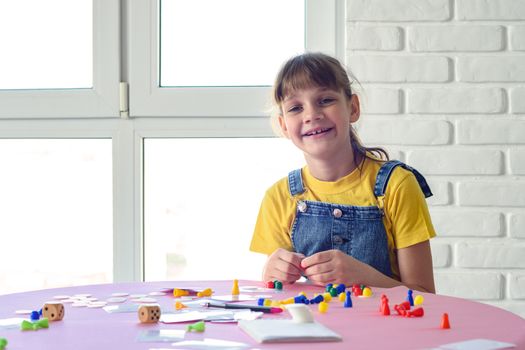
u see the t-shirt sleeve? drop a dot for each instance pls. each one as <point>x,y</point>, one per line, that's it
<point>271,228</point>
<point>408,210</point>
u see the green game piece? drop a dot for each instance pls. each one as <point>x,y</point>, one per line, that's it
<point>333,292</point>
<point>33,326</point>
<point>3,343</point>
<point>278,285</point>
<point>197,327</point>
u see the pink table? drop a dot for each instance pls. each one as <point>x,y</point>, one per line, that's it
<point>362,327</point>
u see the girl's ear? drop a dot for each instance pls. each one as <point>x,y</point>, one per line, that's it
<point>282,124</point>
<point>354,108</point>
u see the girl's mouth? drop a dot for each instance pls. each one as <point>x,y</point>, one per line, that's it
<point>317,132</point>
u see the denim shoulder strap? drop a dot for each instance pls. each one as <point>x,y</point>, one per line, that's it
<point>384,175</point>
<point>295,182</point>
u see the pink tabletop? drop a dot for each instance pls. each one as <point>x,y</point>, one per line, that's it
<point>361,327</point>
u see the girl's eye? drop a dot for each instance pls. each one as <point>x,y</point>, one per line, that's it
<point>294,109</point>
<point>326,100</point>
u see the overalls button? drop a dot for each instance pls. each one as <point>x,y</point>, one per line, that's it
<point>302,206</point>
<point>337,240</point>
<point>337,213</point>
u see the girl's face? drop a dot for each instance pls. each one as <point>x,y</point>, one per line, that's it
<point>317,120</point>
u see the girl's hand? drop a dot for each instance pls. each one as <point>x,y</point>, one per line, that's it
<point>284,266</point>
<point>334,266</point>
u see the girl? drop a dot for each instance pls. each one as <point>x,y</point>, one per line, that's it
<point>349,216</point>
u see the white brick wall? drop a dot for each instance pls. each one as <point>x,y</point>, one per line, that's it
<point>444,88</point>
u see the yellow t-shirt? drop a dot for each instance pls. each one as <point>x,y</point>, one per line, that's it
<point>407,220</point>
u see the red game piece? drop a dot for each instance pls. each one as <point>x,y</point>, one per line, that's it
<point>417,312</point>
<point>400,310</point>
<point>445,324</point>
<point>385,309</point>
<point>270,285</point>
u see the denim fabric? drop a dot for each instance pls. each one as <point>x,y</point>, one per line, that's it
<point>357,231</point>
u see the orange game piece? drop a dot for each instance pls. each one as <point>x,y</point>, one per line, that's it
<point>235,288</point>
<point>445,324</point>
<point>179,305</point>
<point>385,309</point>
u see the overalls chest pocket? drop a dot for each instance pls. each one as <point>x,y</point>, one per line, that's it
<point>356,231</point>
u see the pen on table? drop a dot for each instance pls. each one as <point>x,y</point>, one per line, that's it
<point>265,309</point>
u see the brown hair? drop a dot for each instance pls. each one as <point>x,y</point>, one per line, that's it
<point>318,69</point>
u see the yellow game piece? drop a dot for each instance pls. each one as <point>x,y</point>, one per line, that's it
<point>342,297</point>
<point>205,293</point>
<point>235,288</point>
<point>418,300</point>
<point>179,305</point>
<point>275,303</point>
<point>323,307</point>
<point>367,292</point>
<point>180,293</point>
<point>327,297</point>
<point>302,293</point>
<point>287,301</point>
<point>267,302</point>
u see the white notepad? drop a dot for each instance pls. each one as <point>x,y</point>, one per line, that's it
<point>287,331</point>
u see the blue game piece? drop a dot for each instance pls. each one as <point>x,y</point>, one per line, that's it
<point>348,300</point>
<point>35,316</point>
<point>260,301</point>
<point>340,288</point>
<point>410,299</point>
<point>318,299</point>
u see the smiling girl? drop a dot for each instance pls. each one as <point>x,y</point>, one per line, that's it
<point>350,215</point>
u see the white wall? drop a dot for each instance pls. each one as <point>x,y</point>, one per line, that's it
<point>443,88</point>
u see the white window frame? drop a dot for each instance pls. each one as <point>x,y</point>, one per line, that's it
<point>80,113</point>
<point>102,100</point>
<point>147,98</point>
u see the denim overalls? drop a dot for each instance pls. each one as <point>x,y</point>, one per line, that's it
<point>357,231</point>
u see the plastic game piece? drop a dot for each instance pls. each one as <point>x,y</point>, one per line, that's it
<point>385,309</point>
<point>33,326</point>
<point>53,311</point>
<point>3,343</point>
<point>323,307</point>
<point>357,290</point>
<point>149,313</point>
<point>418,300</point>
<point>327,297</point>
<point>328,287</point>
<point>342,297</point>
<point>417,312</point>
<point>348,300</point>
<point>260,301</point>
<point>235,288</point>
<point>267,302</point>
<point>270,285</point>
<point>367,292</point>
<point>196,327</point>
<point>340,288</point>
<point>35,315</point>
<point>278,285</point>
<point>333,292</point>
<point>410,298</point>
<point>205,293</point>
<point>179,305</point>
<point>445,324</point>
<point>180,292</point>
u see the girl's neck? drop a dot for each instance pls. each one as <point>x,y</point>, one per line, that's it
<point>333,169</point>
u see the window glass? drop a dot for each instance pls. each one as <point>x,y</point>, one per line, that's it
<point>46,44</point>
<point>202,197</point>
<point>228,42</point>
<point>56,208</point>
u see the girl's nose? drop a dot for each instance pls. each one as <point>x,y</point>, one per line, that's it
<point>312,113</point>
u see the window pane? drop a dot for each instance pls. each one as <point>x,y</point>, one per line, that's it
<point>228,42</point>
<point>46,44</point>
<point>56,209</point>
<point>202,197</point>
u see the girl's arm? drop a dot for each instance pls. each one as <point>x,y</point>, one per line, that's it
<point>415,267</point>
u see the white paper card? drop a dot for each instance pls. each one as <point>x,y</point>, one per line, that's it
<point>478,344</point>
